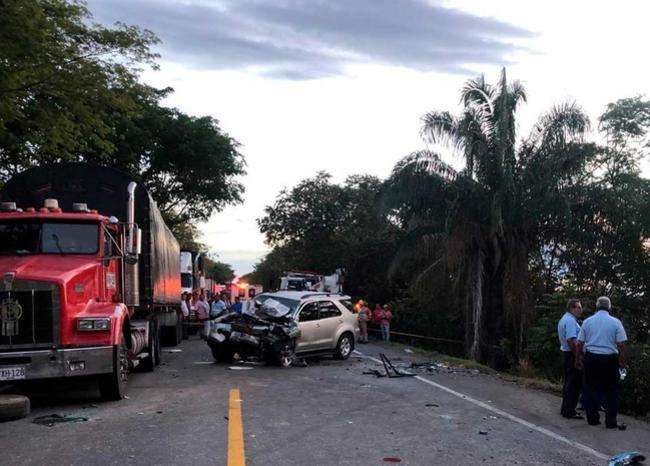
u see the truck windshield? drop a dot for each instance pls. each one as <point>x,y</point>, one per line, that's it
<point>48,238</point>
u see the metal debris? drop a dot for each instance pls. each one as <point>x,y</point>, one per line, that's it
<point>51,419</point>
<point>627,458</point>
<point>389,367</point>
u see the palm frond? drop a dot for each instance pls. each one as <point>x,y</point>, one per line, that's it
<point>427,162</point>
<point>441,128</point>
<point>562,124</point>
<point>517,93</point>
<point>478,94</point>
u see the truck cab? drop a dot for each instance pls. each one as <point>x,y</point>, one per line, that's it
<point>61,310</point>
<point>84,292</point>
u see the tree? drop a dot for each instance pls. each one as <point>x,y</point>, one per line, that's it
<point>319,225</point>
<point>69,91</point>
<point>188,163</point>
<point>60,77</point>
<point>220,272</point>
<point>482,223</point>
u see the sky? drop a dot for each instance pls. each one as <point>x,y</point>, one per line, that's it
<point>341,85</point>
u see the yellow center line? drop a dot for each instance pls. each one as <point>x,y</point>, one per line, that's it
<point>235,430</point>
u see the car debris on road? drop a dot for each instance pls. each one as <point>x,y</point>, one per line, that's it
<point>627,458</point>
<point>50,420</point>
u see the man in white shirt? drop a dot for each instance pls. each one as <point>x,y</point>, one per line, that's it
<point>218,306</point>
<point>567,330</point>
<point>602,339</point>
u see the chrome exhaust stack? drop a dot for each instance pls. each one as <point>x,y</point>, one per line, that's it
<point>131,251</point>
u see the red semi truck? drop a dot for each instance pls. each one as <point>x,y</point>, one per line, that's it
<point>89,277</point>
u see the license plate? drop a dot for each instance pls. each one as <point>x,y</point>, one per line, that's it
<point>12,373</point>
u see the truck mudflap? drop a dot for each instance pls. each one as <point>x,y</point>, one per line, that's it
<point>44,364</point>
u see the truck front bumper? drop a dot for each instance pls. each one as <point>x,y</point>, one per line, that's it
<point>70,362</point>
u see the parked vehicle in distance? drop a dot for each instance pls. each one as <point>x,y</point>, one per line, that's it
<point>326,321</point>
<point>187,272</point>
<point>90,277</point>
<point>311,281</point>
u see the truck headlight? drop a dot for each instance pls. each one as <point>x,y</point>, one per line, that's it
<point>89,325</point>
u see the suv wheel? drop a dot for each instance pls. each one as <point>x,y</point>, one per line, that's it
<point>344,347</point>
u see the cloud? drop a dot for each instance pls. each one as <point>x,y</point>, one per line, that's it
<point>307,39</point>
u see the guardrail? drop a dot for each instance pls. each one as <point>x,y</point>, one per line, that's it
<point>442,345</point>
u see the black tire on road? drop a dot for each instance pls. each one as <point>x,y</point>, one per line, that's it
<point>179,329</point>
<point>345,346</point>
<point>222,353</point>
<point>13,407</point>
<point>149,363</point>
<point>157,347</point>
<point>172,336</point>
<point>112,387</point>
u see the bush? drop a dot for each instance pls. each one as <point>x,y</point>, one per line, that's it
<point>635,394</point>
<point>542,348</point>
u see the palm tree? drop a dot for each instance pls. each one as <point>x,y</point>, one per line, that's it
<point>485,220</point>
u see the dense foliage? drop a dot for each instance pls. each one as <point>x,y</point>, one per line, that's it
<point>320,226</point>
<point>490,254</point>
<point>69,91</point>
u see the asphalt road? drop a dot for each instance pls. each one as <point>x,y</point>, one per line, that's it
<point>329,413</point>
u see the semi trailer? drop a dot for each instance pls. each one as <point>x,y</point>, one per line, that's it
<point>90,277</point>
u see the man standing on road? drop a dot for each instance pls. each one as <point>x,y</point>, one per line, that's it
<point>185,310</point>
<point>603,339</point>
<point>365,316</point>
<point>568,330</point>
<point>217,307</point>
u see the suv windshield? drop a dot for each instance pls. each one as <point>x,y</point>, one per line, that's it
<point>292,304</point>
<point>47,238</point>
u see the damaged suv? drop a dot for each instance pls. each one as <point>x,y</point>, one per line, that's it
<point>281,326</point>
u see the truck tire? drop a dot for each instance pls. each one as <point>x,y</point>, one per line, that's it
<point>112,387</point>
<point>157,344</point>
<point>149,363</point>
<point>172,336</point>
<point>179,329</point>
<point>345,346</point>
<point>13,407</point>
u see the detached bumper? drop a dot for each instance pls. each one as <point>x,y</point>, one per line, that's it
<point>73,362</point>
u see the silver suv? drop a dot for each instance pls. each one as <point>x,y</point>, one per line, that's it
<point>326,321</point>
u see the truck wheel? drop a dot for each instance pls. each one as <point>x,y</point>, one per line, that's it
<point>13,407</point>
<point>112,386</point>
<point>344,347</point>
<point>149,363</point>
<point>172,336</point>
<point>157,344</point>
<point>179,329</point>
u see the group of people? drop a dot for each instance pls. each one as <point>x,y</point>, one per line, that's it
<point>594,362</point>
<point>382,315</point>
<point>196,307</point>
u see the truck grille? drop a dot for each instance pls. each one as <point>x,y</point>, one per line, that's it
<point>38,321</point>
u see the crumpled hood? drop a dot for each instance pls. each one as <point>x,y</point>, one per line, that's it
<point>46,267</point>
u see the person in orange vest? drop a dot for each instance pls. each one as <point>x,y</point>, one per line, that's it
<point>364,316</point>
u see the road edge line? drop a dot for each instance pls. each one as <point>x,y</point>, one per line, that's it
<point>507,415</point>
<point>236,456</point>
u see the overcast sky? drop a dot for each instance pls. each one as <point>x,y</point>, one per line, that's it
<point>340,85</point>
